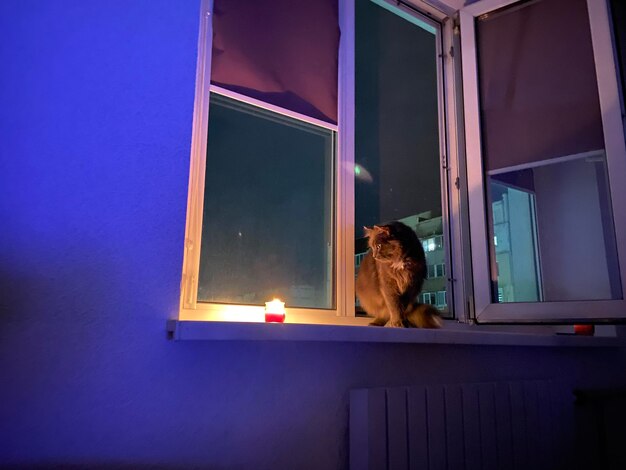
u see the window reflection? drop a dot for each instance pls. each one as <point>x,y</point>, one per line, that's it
<point>552,236</point>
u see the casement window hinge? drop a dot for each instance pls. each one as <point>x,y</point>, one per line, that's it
<point>449,54</point>
<point>444,162</point>
<point>457,183</point>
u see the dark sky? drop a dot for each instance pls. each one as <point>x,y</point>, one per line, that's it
<point>397,139</point>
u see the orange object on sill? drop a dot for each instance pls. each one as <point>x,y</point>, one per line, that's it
<point>584,330</point>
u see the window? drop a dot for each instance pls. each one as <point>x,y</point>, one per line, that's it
<point>267,217</point>
<point>441,299</point>
<point>435,270</point>
<point>398,142</point>
<point>440,270</point>
<point>432,244</point>
<point>545,151</point>
<point>358,259</point>
<point>437,298</point>
<point>314,119</point>
<point>282,169</point>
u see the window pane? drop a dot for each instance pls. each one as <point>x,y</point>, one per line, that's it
<point>430,272</point>
<point>514,240</point>
<point>397,173</point>
<point>618,10</point>
<point>267,223</point>
<point>551,232</point>
<point>553,236</point>
<point>441,299</point>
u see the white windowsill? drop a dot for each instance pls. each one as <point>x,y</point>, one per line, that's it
<point>452,334</point>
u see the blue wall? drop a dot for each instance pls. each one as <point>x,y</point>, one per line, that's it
<point>96,102</point>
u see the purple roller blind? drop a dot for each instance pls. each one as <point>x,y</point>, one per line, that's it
<point>284,52</point>
<point>538,90</point>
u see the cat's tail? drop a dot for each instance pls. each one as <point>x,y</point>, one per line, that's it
<point>423,316</point>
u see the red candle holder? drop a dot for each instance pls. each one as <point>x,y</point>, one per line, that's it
<point>584,330</point>
<point>275,311</point>
<point>274,317</point>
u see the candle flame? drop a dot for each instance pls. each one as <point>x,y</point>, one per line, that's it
<point>275,306</point>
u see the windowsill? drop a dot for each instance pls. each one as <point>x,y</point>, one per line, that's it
<point>452,333</point>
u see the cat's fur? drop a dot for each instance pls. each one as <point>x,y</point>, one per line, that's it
<point>391,276</point>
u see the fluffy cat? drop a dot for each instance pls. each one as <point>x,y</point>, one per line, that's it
<point>391,276</point>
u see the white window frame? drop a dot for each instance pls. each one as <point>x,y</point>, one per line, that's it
<point>609,95</point>
<point>344,311</point>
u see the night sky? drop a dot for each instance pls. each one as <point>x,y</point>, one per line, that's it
<point>396,117</point>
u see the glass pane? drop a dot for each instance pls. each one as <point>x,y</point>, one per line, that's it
<point>514,241</point>
<point>397,173</point>
<point>441,299</point>
<point>618,10</point>
<point>551,234</point>
<point>267,224</point>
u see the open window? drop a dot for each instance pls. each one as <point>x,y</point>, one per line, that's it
<point>313,119</point>
<point>545,161</point>
<point>400,138</point>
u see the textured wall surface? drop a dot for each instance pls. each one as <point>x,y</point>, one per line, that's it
<point>96,103</point>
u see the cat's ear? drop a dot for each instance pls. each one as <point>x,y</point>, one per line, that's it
<point>382,228</point>
<point>366,231</point>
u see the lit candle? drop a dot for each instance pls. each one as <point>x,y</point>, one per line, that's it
<point>275,311</point>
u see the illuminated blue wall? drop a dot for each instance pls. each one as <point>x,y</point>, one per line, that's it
<point>96,106</point>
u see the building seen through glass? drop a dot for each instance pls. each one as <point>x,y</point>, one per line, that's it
<point>429,229</point>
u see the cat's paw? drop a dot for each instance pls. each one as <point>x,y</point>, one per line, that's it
<point>394,324</point>
<point>377,322</point>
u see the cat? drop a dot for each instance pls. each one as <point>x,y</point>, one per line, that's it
<point>391,276</point>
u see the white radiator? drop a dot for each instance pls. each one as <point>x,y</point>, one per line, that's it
<point>513,425</point>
